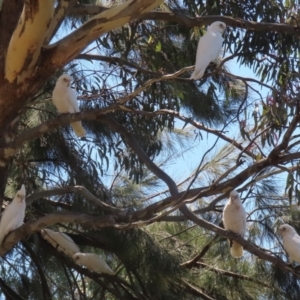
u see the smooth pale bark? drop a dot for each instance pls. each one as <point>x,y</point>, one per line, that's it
<point>14,95</point>
<point>69,47</point>
<point>26,42</point>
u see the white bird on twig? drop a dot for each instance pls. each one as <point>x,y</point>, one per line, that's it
<point>61,241</point>
<point>208,49</point>
<point>234,219</point>
<point>13,215</point>
<point>65,100</point>
<point>291,242</point>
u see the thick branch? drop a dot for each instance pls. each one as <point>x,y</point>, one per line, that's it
<point>10,13</point>
<point>34,226</point>
<point>187,21</point>
<point>70,46</point>
<point>49,125</point>
<point>30,33</point>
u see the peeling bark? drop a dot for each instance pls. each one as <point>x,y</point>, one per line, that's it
<point>10,13</point>
<point>13,96</point>
<point>26,42</point>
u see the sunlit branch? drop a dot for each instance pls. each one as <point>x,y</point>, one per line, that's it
<point>187,21</point>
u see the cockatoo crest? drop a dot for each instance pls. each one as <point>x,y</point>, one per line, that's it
<point>234,195</point>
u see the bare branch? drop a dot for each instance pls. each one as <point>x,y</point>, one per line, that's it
<point>75,189</point>
<point>117,60</point>
<point>234,275</point>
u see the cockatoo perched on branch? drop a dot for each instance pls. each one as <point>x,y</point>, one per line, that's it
<point>234,219</point>
<point>13,215</point>
<point>65,100</point>
<point>209,47</point>
<point>93,262</point>
<point>291,242</point>
<point>61,241</point>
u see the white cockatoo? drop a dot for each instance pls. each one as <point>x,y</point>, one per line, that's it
<point>93,262</point>
<point>61,241</point>
<point>209,47</point>
<point>65,100</point>
<point>234,219</point>
<point>291,242</point>
<point>13,215</point>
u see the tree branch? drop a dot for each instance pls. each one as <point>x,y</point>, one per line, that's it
<point>195,290</point>
<point>286,138</point>
<point>79,190</point>
<point>235,275</point>
<point>187,21</point>
<point>34,226</point>
<point>30,33</point>
<point>70,46</point>
<point>60,12</point>
<point>117,61</point>
<point>9,150</point>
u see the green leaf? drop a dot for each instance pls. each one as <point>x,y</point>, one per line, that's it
<point>158,47</point>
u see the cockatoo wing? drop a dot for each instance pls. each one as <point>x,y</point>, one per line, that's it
<point>208,49</point>
<point>61,241</point>
<point>13,215</point>
<point>291,245</point>
<point>93,262</point>
<point>77,126</point>
<point>99,265</point>
<point>72,100</point>
<point>65,100</point>
<point>10,221</point>
<point>68,244</point>
<point>234,219</point>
